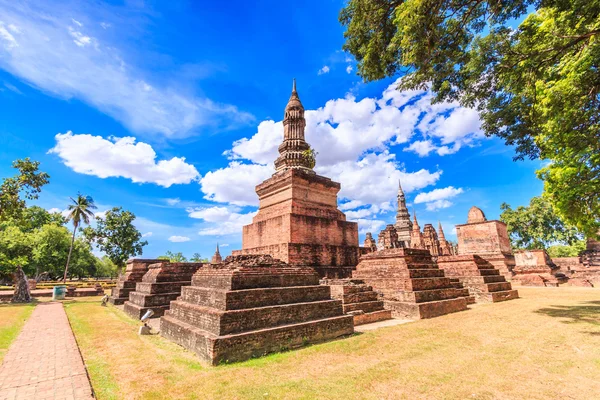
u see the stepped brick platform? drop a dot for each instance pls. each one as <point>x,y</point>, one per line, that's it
<point>412,285</point>
<point>135,270</point>
<point>358,300</point>
<point>250,306</point>
<point>462,290</point>
<point>159,286</point>
<point>483,281</point>
<point>535,268</point>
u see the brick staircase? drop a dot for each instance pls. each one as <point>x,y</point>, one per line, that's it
<point>250,306</point>
<point>159,286</point>
<point>410,282</point>
<point>359,300</point>
<point>134,272</point>
<point>484,282</point>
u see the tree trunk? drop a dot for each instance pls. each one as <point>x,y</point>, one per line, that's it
<point>70,251</point>
<point>21,294</point>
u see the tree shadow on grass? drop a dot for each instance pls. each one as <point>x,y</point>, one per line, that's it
<point>586,313</point>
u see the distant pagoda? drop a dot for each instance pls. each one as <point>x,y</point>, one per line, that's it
<point>403,224</point>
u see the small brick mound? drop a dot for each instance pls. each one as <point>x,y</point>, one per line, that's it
<point>250,306</point>
<point>483,281</point>
<point>535,268</point>
<point>135,270</point>
<point>159,286</point>
<point>412,285</point>
<point>359,300</point>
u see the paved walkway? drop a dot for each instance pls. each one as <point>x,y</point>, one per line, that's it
<point>44,361</point>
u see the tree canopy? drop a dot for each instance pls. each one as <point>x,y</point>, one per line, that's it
<point>116,235</point>
<point>537,226</point>
<point>174,257</point>
<point>26,185</point>
<point>535,85</point>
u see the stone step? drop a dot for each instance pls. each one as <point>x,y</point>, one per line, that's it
<point>467,280</point>
<point>136,312</point>
<point>427,295</point>
<point>252,298</point>
<point>431,309</point>
<point>426,273</point>
<point>368,306</point>
<point>234,321</point>
<point>429,283</point>
<point>162,287</point>
<point>371,317</point>
<point>359,297</point>
<point>494,297</point>
<point>230,348</point>
<point>256,278</point>
<point>152,300</point>
<point>488,272</point>
<point>341,290</point>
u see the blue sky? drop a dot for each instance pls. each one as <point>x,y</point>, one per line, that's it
<point>173,110</point>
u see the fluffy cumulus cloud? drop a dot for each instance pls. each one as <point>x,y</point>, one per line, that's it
<point>70,58</point>
<point>438,198</point>
<point>222,220</point>
<point>324,70</point>
<point>121,157</point>
<point>235,183</point>
<point>179,239</point>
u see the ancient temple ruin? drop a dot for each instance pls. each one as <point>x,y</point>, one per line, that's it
<point>536,268</point>
<point>216,258</point>
<point>134,271</point>
<point>298,220</point>
<point>403,224</point>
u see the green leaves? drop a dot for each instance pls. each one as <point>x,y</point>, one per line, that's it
<point>25,186</point>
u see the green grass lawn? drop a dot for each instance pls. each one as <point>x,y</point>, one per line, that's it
<point>12,319</point>
<point>545,345</point>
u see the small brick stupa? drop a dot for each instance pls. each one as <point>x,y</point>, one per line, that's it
<point>486,239</point>
<point>535,268</point>
<point>135,270</point>
<point>412,285</point>
<point>250,306</point>
<point>298,220</point>
<point>161,284</point>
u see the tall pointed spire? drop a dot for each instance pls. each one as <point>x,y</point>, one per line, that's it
<point>216,258</point>
<point>416,237</point>
<point>440,232</point>
<point>293,150</point>
<point>403,225</point>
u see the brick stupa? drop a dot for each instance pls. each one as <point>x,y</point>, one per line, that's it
<point>134,271</point>
<point>159,286</point>
<point>486,239</point>
<point>251,305</point>
<point>298,220</point>
<point>410,282</point>
<point>535,268</point>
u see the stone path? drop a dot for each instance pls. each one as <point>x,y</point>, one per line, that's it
<point>44,361</point>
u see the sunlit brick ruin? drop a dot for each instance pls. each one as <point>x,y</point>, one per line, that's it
<point>535,268</point>
<point>158,287</point>
<point>251,305</point>
<point>216,258</point>
<point>359,300</point>
<point>134,271</point>
<point>298,220</point>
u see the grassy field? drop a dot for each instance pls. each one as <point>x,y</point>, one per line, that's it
<point>12,319</point>
<point>545,345</point>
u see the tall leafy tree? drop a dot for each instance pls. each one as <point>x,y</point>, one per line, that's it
<point>537,226</point>
<point>536,86</point>
<point>26,185</point>
<point>116,235</point>
<point>197,257</point>
<point>173,257</point>
<point>16,249</point>
<point>79,211</point>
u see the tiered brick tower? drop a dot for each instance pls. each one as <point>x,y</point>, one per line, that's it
<point>431,241</point>
<point>403,224</point>
<point>416,237</point>
<point>359,300</point>
<point>388,238</point>
<point>446,248</point>
<point>216,258</point>
<point>252,305</point>
<point>370,243</point>
<point>135,270</point>
<point>411,283</point>
<point>298,220</point>
<point>487,239</point>
<point>161,284</point>
<point>484,282</point>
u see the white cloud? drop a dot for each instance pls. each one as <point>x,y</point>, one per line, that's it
<point>350,205</point>
<point>173,202</point>
<point>324,70</point>
<point>370,225</point>
<point>105,25</point>
<point>235,183</point>
<point>438,198</point>
<point>421,147</point>
<point>147,234</point>
<point>55,210</point>
<point>224,245</point>
<point>224,221</point>
<point>121,157</point>
<point>53,53</point>
<point>349,69</point>
<point>179,239</point>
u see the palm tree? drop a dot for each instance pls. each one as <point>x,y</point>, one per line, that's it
<point>80,210</point>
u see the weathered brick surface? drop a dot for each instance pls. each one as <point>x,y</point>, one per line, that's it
<point>252,305</point>
<point>535,268</point>
<point>160,285</point>
<point>409,288</point>
<point>479,276</point>
<point>298,222</point>
<point>134,271</point>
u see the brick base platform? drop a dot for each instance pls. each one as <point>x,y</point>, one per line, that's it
<point>250,306</point>
<point>359,300</point>
<point>484,282</point>
<point>135,270</point>
<point>410,282</point>
<point>160,285</point>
